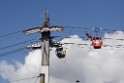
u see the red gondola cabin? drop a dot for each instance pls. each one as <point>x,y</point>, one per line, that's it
<point>97,42</point>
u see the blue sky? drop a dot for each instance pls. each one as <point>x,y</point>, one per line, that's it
<point>18,15</point>
<point>86,13</point>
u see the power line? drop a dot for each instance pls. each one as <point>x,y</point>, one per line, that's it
<point>24,79</point>
<point>18,36</point>
<point>17,44</point>
<point>36,79</point>
<point>11,34</point>
<point>13,51</point>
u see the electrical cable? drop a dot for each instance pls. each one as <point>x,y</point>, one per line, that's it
<point>13,51</point>
<point>10,34</point>
<point>17,44</point>
<point>19,36</point>
<point>24,79</point>
<point>36,79</point>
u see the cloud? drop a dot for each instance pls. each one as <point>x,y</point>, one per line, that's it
<point>82,63</point>
<point>30,68</point>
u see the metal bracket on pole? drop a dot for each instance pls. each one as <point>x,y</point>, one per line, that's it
<point>42,78</point>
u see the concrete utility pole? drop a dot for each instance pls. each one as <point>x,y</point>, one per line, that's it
<point>45,31</point>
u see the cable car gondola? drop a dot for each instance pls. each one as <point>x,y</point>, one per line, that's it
<point>60,52</point>
<point>97,42</point>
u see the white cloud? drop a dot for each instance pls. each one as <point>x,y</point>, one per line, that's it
<point>30,68</point>
<point>86,64</point>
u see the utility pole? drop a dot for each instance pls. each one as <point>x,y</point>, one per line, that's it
<point>45,31</point>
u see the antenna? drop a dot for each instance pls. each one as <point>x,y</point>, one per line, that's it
<point>46,22</point>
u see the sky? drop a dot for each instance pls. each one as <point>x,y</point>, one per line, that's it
<point>16,15</point>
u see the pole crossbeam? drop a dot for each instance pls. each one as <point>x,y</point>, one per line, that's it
<point>43,29</point>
